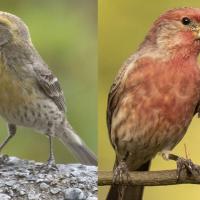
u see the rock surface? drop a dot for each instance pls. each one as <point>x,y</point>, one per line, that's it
<point>30,180</point>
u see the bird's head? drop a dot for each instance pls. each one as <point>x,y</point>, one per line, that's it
<point>12,29</point>
<point>176,29</point>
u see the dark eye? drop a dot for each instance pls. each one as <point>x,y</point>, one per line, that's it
<point>186,21</point>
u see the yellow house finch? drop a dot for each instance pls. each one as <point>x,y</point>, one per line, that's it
<point>30,94</point>
<point>155,96</point>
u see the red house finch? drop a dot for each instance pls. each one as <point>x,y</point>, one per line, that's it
<point>30,95</point>
<point>155,96</point>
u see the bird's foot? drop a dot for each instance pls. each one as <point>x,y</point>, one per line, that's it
<point>121,174</point>
<point>48,167</point>
<point>51,164</point>
<point>183,164</point>
<point>4,159</point>
<point>187,164</point>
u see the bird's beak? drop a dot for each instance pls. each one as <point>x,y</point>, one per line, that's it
<point>198,32</point>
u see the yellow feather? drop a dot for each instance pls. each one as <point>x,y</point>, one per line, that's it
<point>12,92</point>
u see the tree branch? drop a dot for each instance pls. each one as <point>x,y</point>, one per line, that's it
<point>24,179</point>
<point>150,178</point>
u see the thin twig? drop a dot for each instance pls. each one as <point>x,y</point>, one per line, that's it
<point>151,178</point>
<point>186,151</point>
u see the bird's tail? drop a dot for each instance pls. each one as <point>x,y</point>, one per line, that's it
<point>129,192</point>
<point>78,148</point>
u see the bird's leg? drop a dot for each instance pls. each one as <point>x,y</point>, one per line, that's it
<point>51,164</point>
<point>11,132</point>
<point>182,164</point>
<point>121,171</point>
<point>51,160</point>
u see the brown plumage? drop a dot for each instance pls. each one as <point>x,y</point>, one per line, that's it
<point>155,95</point>
<point>30,95</point>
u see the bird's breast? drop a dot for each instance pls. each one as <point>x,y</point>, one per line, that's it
<point>13,91</point>
<point>155,108</point>
<point>172,92</point>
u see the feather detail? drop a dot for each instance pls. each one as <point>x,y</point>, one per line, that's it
<point>51,87</point>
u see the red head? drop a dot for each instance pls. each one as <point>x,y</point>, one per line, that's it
<point>176,29</point>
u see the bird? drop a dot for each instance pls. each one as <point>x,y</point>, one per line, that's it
<point>30,94</point>
<point>154,97</point>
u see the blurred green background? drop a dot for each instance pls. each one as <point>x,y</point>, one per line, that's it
<point>122,27</point>
<point>65,34</point>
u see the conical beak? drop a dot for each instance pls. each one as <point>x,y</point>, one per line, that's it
<point>198,32</point>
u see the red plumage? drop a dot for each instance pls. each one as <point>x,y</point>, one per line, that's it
<point>156,93</point>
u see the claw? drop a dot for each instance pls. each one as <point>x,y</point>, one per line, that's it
<point>48,167</point>
<point>4,159</point>
<point>120,173</point>
<point>51,166</point>
<point>182,164</point>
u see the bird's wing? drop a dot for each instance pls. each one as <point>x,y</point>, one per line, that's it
<point>113,98</point>
<point>35,68</point>
<point>115,90</point>
<point>197,109</point>
<point>50,86</point>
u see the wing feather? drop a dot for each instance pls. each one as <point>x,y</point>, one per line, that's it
<point>115,90</point>
<point>51,87</point>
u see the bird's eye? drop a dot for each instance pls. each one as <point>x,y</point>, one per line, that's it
<point>186,21</point>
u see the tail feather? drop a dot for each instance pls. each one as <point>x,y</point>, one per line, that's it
<point>131,192</point>
<point>78,148</point>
